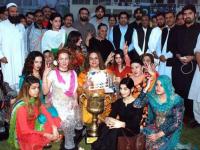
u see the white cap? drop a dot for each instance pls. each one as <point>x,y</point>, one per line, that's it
<point>11,5</point>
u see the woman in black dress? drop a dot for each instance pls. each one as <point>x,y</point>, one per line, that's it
<point>126,114</point>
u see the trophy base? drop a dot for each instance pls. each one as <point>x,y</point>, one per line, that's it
<point>90,137</point>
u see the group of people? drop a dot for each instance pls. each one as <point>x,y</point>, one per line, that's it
<point>49,64</point>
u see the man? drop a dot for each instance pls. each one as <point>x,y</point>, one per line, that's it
<point>47,14</point>
<point>100,43</point>
<point>3,13</point>
<point>12,52</point>
<point>35,32</point>
<point>138,13</point>
<point>164,53</point>
<point>68,21</point>
<point>29,18</point>
<point>179,19</point>
<point>83,25</point>
<point>153,21</point>
<point>183,44</point>
<point>99,17</point>
<point>121,33</point>
<point>156,34</point>
<point>141,36</point>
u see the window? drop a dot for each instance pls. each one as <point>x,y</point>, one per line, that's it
<point>104,2</point>
<point>81,2</point>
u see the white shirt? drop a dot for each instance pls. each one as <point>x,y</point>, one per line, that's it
<point>53,39</point>
<point>154,39</point>
<point>12,46</point>
<point>123,30</point>
<point>136,44</point>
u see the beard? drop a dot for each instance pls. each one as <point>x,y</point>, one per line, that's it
<point>161,25</point>
<point>138,18</point>
<point>84,19</point>
<point>99,17</point>
<point>14,19</point>
<point>188,21</point>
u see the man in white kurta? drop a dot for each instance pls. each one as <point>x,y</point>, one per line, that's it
<point>12,52</point>
<point>163,51</point>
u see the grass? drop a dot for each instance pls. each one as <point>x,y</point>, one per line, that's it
<point>188,136</point>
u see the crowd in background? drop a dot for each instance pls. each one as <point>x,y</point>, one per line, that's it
<point>49,61</point>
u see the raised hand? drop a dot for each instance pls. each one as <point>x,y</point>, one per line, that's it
<point>125,48</point>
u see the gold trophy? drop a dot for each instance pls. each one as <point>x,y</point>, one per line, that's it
<point>95,106</point>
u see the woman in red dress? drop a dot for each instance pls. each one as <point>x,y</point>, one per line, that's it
<point>31,126</point>
<point>120,69</point>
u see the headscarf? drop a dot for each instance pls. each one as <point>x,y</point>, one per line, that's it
<point>172,97</point>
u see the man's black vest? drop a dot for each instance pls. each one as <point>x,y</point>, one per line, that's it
<point>140,33</point>
<point>117,36</point>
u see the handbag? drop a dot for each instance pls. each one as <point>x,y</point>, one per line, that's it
<point>136,142</point>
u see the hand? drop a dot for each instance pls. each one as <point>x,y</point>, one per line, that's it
<point>125,48</point>
<point>155,55</point>
<point>155,136</point>
<point>110,58</point>
<point>4,60</point>
<point>87,83</point>
<point>150,69</point>
<point>162,58</point>
<point>88,37</point>
<point>114,123</point>
<point>49,136</point>
<point>55,132</point>
<point>47,69</point>
<point>148,85</point>
<point>189,59</point>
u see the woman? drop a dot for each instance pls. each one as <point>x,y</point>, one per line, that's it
<point>74,43</point>
<point>119,68</point>
<point>62,83</point>
<point>31,126</point>
<point>140,79</point>
<point>128,110</point>
<point>33,66</point>
<point>165,116</point>
<point>49,58</point>
<point>94,76</point>
<point>55,37</point>
<point>148,59</point>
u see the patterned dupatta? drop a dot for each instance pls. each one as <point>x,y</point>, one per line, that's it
<point>70,91</point>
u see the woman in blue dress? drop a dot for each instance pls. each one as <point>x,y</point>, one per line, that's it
<point>165,116</point>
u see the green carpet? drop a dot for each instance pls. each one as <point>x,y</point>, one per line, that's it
<point>188,136</point>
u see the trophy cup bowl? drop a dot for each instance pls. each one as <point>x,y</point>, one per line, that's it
<point>95,106</point>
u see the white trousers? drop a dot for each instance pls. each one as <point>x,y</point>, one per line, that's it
<point>196,110</point>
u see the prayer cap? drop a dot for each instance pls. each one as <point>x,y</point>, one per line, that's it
<point>11,5</point>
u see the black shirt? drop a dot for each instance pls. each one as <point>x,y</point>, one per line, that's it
<point>103,46</point>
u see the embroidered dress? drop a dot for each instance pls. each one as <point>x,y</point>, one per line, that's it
<point>166,117</point>
<point>63,98</point>
<point>27,133</point>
